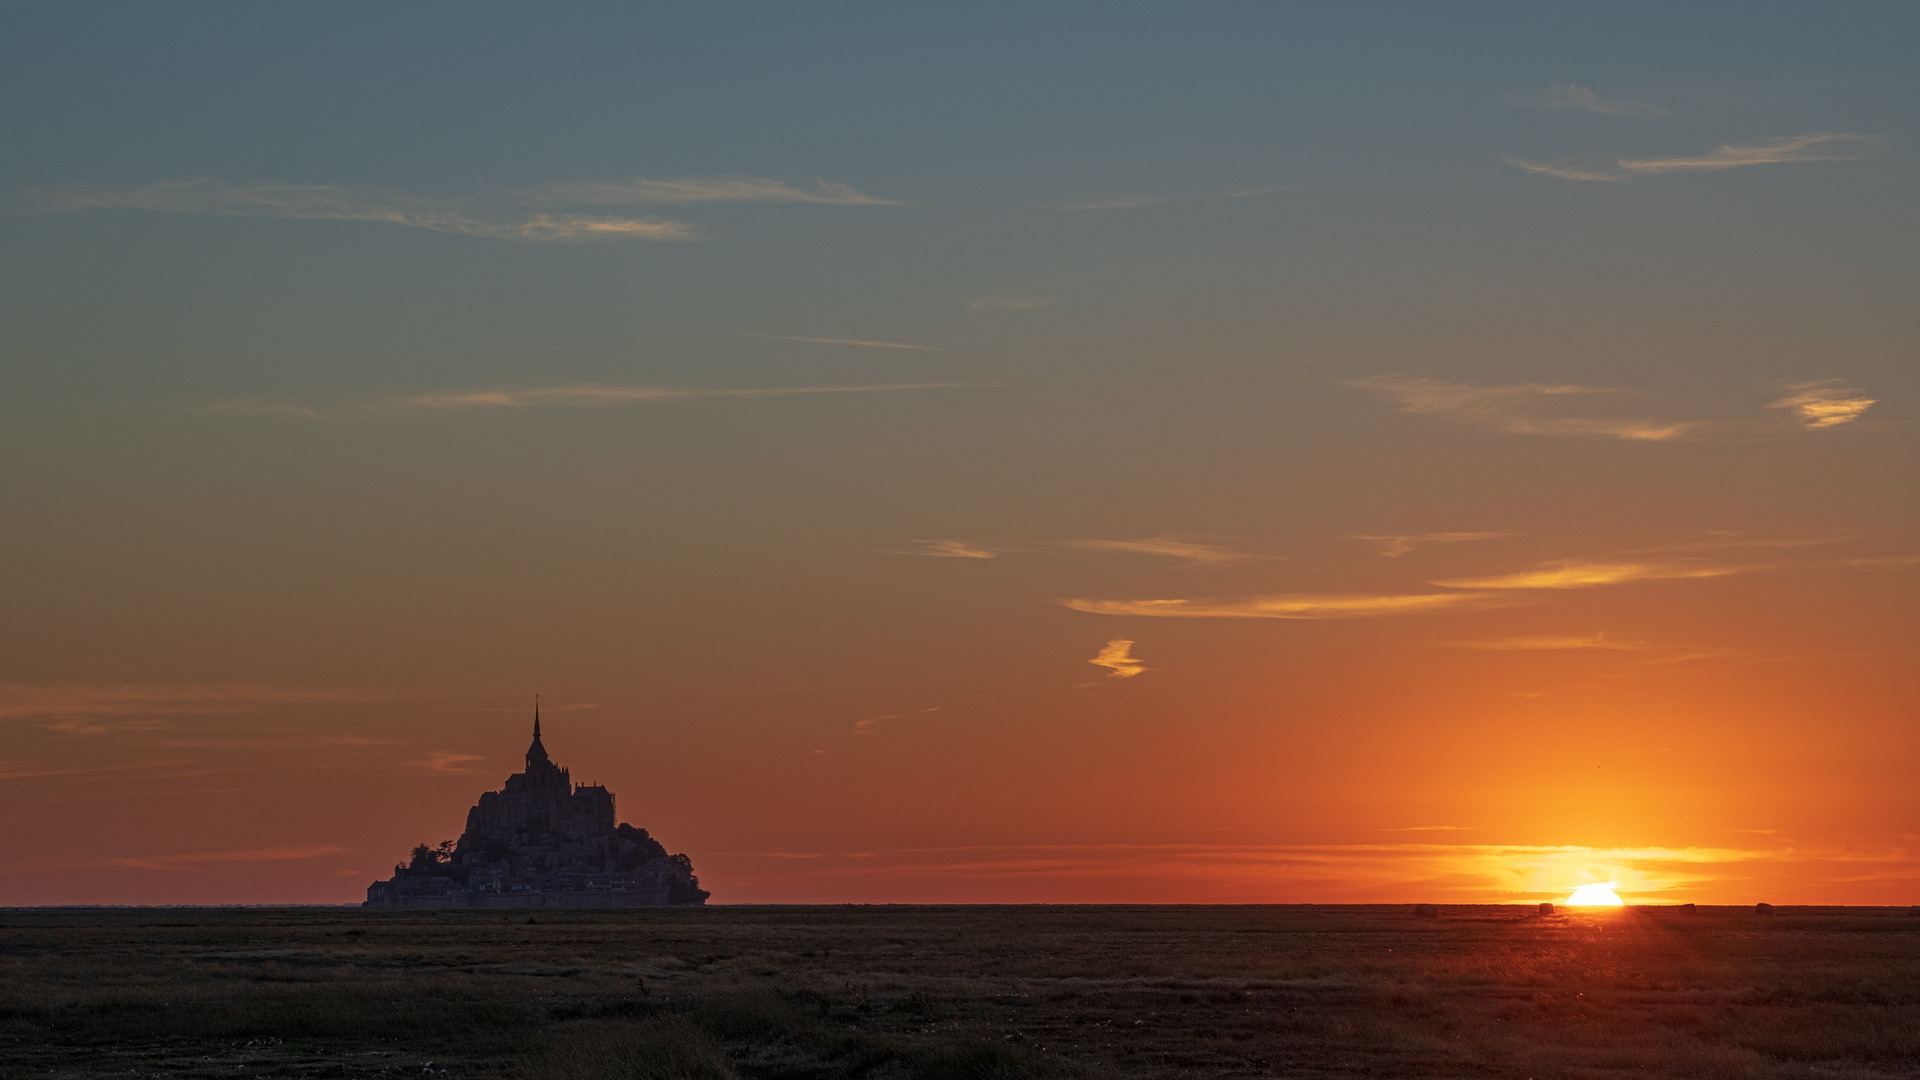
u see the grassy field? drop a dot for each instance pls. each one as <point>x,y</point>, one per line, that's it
<point>825,993</point>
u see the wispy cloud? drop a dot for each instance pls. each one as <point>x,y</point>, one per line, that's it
<point>547,213</point>
<point>867,726</point>
<point>58,700</point>
<point>1170,547</point>
<point>1816,146</point>
<point>1114,202</point>
<point>182,862</point>
<point>1572,97</point>
<point>1516,409</point>
<point>1824,404</point>
<point>1582,574</point>
<point>1012,303</point>
<point>1720,540</point>
<point>1782,149</point>
<point>1884,562</point>
<point>1133,201</point>
<point>639,191</point>
<point>1649,654</point>
<point>1286,606</point>
<point>445,761</point>
<point>845,341</point>
<point>1117,657</point>
<point>951,549</point>
<point>1395,546</point>
<point>1567,169</point>
<point>1548,643</point>
<point>575,395</point>
<point>464,216</point>
<point>21,770</point>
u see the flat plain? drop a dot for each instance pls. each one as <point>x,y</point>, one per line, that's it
<point>882,992</point>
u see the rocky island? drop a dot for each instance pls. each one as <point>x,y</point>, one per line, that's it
<point>541,841</point>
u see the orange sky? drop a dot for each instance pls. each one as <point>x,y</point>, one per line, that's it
<point>1263,457</point>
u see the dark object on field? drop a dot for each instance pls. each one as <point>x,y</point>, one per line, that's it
<point>1546,909</point>
<point>1426,911</point>
<point>1685,909</point>
<point>1763,909</point>
<point>542,841</point>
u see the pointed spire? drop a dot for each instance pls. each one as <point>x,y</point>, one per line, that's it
<point>536,753</point>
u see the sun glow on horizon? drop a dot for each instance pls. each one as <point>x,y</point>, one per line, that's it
<point>1595,896</point>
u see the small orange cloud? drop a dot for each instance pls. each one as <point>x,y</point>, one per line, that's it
<point>1117,658</point>
<point>1824,404</point>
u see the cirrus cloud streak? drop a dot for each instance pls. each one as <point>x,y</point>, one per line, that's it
<point>1518,409</point>
<point>758,189</point>
<point>1780,149</point>
<point>146,699</point>
<point>1572,97</point>
<point>537,214</point>
<point>574,395</point>
<point>950,549</point>
<point>1288,606</point>
<point>464,216</point>
<point>1582,574</point>
<point>1392,547</point>
<point>182,862</point>
<point>1170,547</point>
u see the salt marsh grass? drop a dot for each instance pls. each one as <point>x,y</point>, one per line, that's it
<point>960,993</point>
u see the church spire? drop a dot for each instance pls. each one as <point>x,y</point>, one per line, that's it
<point>536,754</point>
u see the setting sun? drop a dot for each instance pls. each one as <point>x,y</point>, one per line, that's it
<point>1595,896</point>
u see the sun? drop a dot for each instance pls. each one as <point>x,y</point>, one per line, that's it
<point>1595,896</point>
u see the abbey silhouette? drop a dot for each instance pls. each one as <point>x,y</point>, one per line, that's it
<point>541,841</point>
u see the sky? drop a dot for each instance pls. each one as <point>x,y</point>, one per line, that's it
<point>1242,453</point>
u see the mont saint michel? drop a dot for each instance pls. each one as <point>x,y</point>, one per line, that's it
<point>542,841</point>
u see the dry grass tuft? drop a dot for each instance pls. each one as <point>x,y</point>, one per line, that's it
<point>668,1048</point>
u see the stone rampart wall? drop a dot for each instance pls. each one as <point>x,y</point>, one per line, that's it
<point>649,898</point>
